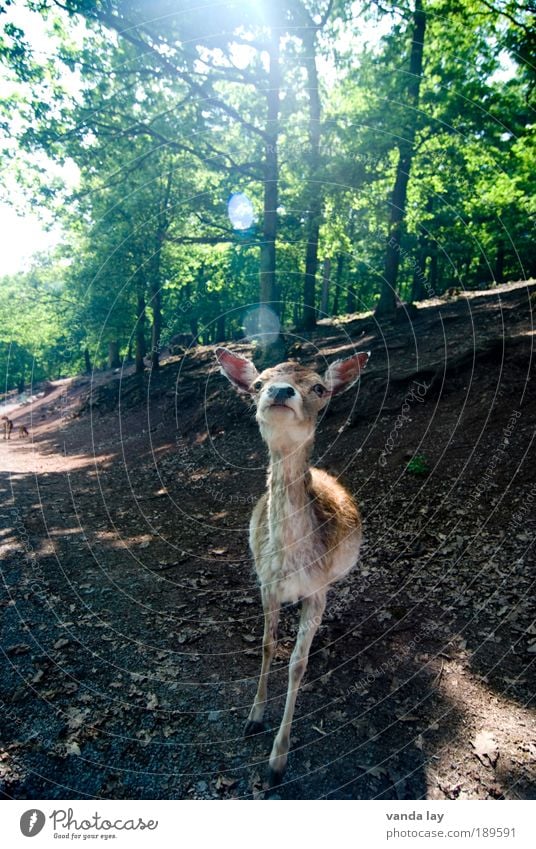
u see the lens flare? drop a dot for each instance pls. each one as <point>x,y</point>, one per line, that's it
<point>261,324</point>
<point>240,211</point>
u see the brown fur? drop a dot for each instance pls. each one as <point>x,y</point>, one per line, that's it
<point>8,427</point>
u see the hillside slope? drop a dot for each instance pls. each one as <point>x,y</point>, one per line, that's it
<point>131,619</point>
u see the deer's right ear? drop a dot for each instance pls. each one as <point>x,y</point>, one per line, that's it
<point>239,370</point>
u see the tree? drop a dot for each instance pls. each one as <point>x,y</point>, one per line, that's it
<point>387,303</point>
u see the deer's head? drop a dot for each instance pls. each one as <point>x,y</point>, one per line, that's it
<point>289,396</point>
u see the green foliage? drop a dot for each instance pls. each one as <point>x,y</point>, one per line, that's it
<point>163,121</point>
<point>418,465</point>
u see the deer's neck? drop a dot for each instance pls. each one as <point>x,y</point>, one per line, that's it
<point>290,513</point>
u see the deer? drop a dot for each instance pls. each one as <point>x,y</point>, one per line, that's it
<point>305,531</point>
<point>7,427</point>
<point>23,432</point>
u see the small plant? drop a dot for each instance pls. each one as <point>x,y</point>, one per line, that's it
<point>418,465</point>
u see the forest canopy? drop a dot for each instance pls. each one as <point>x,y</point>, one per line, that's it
<point>316,157</point>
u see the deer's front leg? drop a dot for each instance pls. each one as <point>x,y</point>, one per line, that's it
<point>271,608</point>
<point>310,619</point>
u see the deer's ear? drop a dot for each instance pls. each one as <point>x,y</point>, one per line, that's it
<point>342,374</point>
<point>239,370</point>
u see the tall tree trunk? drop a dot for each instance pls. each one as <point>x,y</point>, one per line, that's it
<point>314,205</point>
<point>499,262</point>
<point>156,283</point>
<point>351,300</point>
<point>418,288</point>
<point>156,330</point>
<point>387,304</point>
<point>338,280</point>
<point>141,347</point>
<point>324,303</point>
<point>268,290</point>
<point>113,354</point>
<point>434,268</point>
<point>220,328</point>
<point>156,305</point>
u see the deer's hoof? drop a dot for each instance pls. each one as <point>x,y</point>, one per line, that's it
<point>252,728</point>
<point>275,777</point>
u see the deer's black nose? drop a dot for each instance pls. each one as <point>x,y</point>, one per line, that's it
<point>281,393</point>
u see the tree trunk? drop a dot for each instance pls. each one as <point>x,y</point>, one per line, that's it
<point>387,304</point>
<point>314,204</point>
<point>418,288</point>
<point>351,301</point>
<point>220,328</point>
<point>113,354</point>
<point>499,262</point>
<point>156,304</point>
<point>156,285</point>
<point>338,280</point>
<point>87,361</point>
<point>324,303</point>
<point>268,291</point>
<point>141,346</point>
<point>434,268</point>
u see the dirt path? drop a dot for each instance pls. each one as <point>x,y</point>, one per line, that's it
<point>131,621</point>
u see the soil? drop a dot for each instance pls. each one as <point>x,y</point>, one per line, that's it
<point>131,618</point>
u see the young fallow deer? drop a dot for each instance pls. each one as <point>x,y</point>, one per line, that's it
<point>7,427</point>
<point>305,531</point>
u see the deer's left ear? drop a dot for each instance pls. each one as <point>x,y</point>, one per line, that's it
<point>239,370</point>
<point>342,374</point>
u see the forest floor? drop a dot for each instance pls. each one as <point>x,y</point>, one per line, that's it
<point>131,619</point>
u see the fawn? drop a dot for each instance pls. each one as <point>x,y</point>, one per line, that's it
<point>305,531</point>
<point>7,427</point>
<point>23,432</point>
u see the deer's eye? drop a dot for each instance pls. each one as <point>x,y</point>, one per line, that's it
<point>319,389</point>
<point>257,385</point>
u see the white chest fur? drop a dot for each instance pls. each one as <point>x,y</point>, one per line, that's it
<point>293,561</point>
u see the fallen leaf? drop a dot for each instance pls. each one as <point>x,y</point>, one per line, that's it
<point>222,782</point>
<point>20,648</point>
